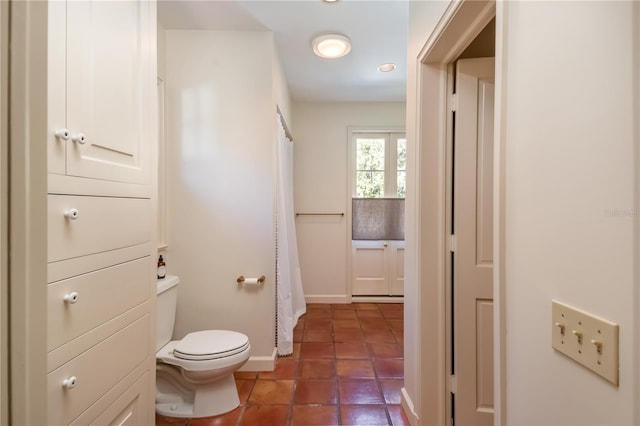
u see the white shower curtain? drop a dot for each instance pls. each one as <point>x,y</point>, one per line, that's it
<point>290,297</point>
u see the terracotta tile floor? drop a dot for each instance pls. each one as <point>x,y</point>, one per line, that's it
<point>346,369</point>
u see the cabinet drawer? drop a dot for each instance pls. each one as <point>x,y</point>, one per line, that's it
<point>131,408</point>
<point>101,224</point>
<point>99,297</point>
<point>96,371</point>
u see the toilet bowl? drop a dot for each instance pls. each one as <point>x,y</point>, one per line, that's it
<point>194,375</point>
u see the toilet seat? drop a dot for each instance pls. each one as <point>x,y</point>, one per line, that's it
<point>210,344</point>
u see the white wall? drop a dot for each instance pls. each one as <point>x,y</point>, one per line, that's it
<point>161,52</point>
<point>220,157</point>
<point>320,185</point>
<point>571,108</point>
<point>570,161</point>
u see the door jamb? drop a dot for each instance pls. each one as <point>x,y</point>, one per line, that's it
<point>460,24</point>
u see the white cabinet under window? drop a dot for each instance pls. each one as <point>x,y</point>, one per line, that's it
<point>377,268</point>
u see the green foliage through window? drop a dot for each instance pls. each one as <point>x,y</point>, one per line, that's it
<point>377,176</point>
<point>370,168</point>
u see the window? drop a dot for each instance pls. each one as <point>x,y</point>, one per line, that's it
<point>380,169</point>
<point>379,182</point>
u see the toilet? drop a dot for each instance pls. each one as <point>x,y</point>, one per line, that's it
<point>194,376</point>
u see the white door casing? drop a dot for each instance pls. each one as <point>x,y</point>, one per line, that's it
<point>473,227</point>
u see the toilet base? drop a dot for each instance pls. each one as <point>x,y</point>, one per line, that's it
<point>211,399</point>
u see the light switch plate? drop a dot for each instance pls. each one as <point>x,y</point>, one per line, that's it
<point>587,339</point>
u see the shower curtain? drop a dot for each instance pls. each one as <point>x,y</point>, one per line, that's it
<point>290,301</point>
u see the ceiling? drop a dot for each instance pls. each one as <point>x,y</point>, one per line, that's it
<point>377,29</point>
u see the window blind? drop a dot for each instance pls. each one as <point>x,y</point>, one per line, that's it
<point>377,219</point>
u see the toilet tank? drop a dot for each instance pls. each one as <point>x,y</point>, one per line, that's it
<point>167,299</point>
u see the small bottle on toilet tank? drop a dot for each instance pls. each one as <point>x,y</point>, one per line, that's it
<point>162,268</point>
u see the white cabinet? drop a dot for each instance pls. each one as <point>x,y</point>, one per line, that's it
<point>100,89</point>
<point>377,268</point>
<point>100,212</point>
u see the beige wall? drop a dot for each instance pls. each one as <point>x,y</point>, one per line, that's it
<point>570,109</point>
<point>320,185</point>
<point>220,166</point>
<point>571,202</point>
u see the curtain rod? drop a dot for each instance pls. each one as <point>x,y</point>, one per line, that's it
<point>287,133</point>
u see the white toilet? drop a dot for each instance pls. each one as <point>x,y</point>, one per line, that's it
<point>194,376</point>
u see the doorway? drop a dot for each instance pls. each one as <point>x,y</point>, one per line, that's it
<point>377,182</point>
<point>461,24</point>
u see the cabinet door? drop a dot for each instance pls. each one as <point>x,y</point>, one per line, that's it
<point>56,87</point>
<point>378,268</point>
<point>370,268</point>
<point>396,268</point>
<point>109,82</point>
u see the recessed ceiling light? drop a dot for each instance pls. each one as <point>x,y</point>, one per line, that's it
<point>330,1</point>
<point>387,67</point>
<point>331,45</point>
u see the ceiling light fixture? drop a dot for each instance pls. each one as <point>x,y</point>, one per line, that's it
<point>330,1</point>
<point>387,67</point>
<point>331,45</point>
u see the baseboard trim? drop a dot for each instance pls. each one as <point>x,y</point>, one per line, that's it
<point>407,407</point>
<point>377,299</point>
<point>261,363</point>
<point>330,298</point>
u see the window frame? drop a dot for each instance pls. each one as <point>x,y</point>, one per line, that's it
<point>391,137</point>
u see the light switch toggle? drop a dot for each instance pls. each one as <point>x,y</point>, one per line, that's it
<point>578,334</point>
<point>582,337</point>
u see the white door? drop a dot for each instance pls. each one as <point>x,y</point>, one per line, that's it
<point>473,228</point>
<point>378,268</point>
<point>108,68</point>
<point>370,268</point>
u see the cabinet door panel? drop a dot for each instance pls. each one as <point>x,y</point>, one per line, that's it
<point>108,89</point>
<point>378,268</point>
<point>396,266</point>
<point>370,269</point>
<point>56,87</point>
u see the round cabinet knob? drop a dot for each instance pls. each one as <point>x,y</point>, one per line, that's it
<point>71,298</point>
<point>79,138</point>
<point>70,383</point>
<point>72,214</point>
<point>62,134</point>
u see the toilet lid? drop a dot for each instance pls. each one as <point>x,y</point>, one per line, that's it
<point>210,344</point>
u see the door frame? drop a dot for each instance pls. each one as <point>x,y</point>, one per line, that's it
<point>27,202</point>
<point>352,132</point>
<point>4,213</point>
<point>461,23</point>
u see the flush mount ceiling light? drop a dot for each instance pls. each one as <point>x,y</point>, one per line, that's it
<point>331,45</point>
<point>387,67</point>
